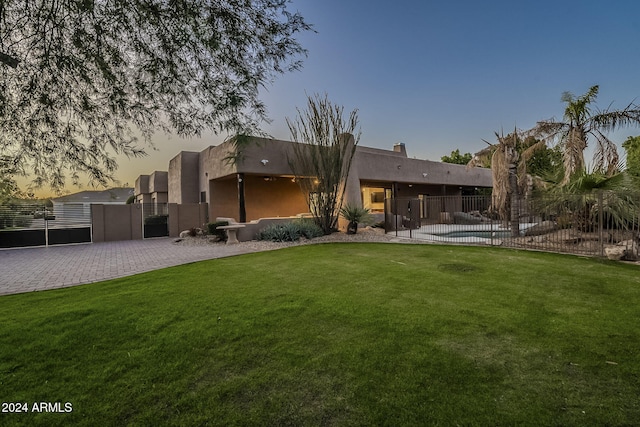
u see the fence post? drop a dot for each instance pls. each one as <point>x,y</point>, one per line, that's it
<point>601,223</point>
<point>46,226</point>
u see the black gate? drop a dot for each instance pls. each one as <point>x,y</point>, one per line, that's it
<point>155,220</point>
<point>28,224</point>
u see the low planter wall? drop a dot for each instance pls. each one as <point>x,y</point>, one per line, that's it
<point>252,228</point>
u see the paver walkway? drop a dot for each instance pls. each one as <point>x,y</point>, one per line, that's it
<point>36,269</point>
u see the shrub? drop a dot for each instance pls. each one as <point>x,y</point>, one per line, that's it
<point>22,221</point>
<point>212,229</point>
<point>309,229</point>
<point>290,232</point>
<point>6,217</point>
<point>355,214</point>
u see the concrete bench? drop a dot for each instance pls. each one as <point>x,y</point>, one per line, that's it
<point>232,232</point>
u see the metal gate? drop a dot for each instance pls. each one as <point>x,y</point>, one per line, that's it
<point>35,224</point>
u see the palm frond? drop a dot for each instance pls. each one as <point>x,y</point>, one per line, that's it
<point>547,129</point>
<point>609,121</point>
<point>605,158</point>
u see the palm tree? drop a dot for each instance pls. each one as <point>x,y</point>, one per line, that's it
<point>591,197</point>
<point>578,125</point>
<point>508,160</point>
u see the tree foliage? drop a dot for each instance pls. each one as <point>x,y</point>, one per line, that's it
<point>82,81</point>
<point>8,186</point>
<point>456,158</point>
<point>325,143</point>
<point>632,148</point>
<point>579,124</point>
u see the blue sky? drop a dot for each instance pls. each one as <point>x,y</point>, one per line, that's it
<point>441,75</point>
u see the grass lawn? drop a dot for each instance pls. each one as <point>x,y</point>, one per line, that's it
<point>334,334</point>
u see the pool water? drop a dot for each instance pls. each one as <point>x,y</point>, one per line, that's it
<point>482,234</point>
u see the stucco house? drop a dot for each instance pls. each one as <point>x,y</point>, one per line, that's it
<point>262,184</point>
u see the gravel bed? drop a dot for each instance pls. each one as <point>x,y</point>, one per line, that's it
<point>363,235</point>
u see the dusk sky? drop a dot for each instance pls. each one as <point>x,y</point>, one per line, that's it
<point>444,75</point>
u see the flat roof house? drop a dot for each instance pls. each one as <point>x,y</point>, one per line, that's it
<point>78,205</point>
<point>262,184</point>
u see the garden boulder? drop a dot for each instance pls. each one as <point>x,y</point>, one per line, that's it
<point>541,228</point>
<point>624,251</point>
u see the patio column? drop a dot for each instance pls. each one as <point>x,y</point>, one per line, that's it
<point>242,212</point>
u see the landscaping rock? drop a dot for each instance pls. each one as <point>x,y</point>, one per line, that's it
<point>626,250</point>
<point>543,227</point>
<point>615,253</point>
<point>465,218</point>
<point>184,234</point>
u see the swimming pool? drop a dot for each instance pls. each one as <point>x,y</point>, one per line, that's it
<point>482,234</point>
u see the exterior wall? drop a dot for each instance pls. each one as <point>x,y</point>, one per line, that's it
<point>223,196</point>
<point>183,178</point>
<point>116,222</point>
<point>281,197</point>
<point>381,165</point>
<point>184,217</point>
<point>142,185</point>
<point>159,182</point>
<point>278,198</point>
<point>143,198</point>
<point>160,197</point>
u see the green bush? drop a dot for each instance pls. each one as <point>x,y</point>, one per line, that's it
<point>22,221</point>
<point>309,229</point>
<point>6,217</point>
<point>290,232</point>
<point>212,229</point>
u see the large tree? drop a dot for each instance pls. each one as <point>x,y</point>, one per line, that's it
<point>579,124</point>
<point>83,80</point>
<point>321,158</point>
<point>632,147</point>
<point>456,158</point>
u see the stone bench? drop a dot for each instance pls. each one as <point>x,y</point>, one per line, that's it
<point>232,232</point>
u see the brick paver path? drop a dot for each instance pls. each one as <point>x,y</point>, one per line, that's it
<point>36,269</point>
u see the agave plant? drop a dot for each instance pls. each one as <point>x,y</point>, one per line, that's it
<point>355,214</point>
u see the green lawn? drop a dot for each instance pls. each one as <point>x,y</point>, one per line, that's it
<point>334,334</point>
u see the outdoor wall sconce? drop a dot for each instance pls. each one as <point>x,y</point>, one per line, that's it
<point>424,174</point>
<point>399,166</point>
<point>264,162</point>
<point>270,178</point>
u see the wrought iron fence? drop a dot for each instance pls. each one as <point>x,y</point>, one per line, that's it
<point>597,224</point>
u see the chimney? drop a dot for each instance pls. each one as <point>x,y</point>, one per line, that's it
<point>400,148</point>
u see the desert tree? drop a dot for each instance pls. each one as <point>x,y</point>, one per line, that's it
<point>83,81</point>
<point>324,144</point>
<point>456,158</point>
<point>579,124</point>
